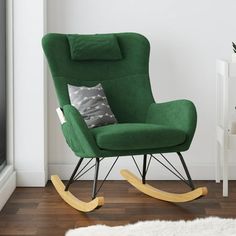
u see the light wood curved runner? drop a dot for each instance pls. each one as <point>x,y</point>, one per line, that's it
<point>162,195</point>
<point>69,198</point>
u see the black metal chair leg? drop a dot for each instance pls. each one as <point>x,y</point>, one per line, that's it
<point>73,174</point>
<point>186,171</point>
<point>144,168</point>
<point>95,178</point>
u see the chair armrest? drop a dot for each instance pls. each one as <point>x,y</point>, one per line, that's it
<point>77,134</point>
<point>179,114</point>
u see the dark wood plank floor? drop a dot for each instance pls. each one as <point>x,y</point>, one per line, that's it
<point>40,211</point>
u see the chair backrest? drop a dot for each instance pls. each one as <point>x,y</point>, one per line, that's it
<point>126,81</point>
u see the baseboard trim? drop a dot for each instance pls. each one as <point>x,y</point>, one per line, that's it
<point>207,172</point>
<point>31,179</point>
<point>7,184</point>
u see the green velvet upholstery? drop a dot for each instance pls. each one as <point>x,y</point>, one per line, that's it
<point>135,136</point>
<point>151,127</point>
<point>179,114</point>
<point>94,47</point>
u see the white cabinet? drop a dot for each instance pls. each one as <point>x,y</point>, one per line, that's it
<point>226,118</point>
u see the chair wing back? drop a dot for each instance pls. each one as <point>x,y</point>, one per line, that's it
<point>126,81</point>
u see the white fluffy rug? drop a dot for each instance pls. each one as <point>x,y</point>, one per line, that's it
<point>211,226</point>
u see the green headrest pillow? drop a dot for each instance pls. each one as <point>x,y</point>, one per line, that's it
<point>94,47</point>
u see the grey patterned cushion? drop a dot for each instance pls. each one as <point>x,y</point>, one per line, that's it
<point>92,104</point>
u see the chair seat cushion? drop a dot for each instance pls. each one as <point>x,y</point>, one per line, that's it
<point>135,136</point>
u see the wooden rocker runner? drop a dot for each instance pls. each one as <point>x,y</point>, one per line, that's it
<point>69,198</point>
<point>118,64</point>
<point>162,195</point>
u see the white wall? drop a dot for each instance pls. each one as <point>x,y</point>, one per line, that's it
<point>29,93</point>
<point>186,38</point>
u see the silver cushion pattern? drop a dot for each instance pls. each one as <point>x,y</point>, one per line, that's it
<point>92,104</point>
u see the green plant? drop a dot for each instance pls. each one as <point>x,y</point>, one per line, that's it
<point>234,47</point>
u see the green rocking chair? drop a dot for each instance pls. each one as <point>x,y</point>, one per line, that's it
<point>143,128</point>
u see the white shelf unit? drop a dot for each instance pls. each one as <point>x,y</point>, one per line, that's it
<point>226,109</point>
